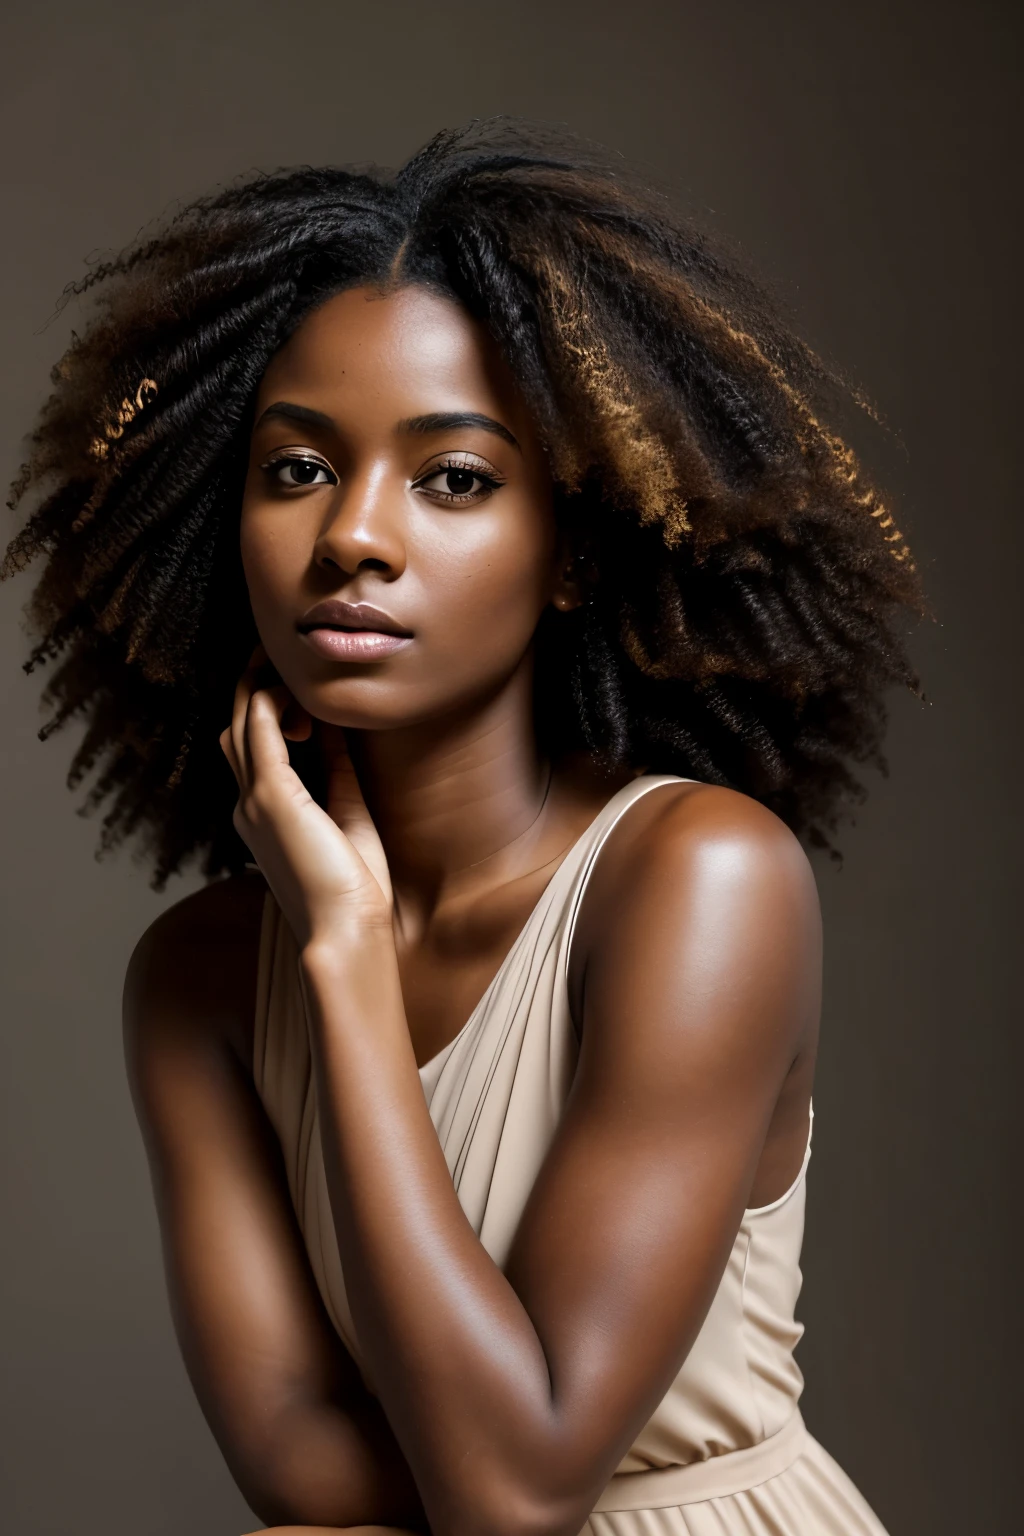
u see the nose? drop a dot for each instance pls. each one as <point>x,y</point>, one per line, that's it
<point>363,530</point>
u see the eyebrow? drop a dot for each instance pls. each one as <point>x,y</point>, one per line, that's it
<point>435,421</point>
<point>449,421</point>
<point>297,413</point>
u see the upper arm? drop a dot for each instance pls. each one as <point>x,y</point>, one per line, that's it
<point>256,1343</point>
<point>701,980</point>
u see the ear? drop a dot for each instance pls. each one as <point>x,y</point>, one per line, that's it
<point>567,590</point>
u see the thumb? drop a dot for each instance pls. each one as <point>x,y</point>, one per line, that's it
<point>347,809</point>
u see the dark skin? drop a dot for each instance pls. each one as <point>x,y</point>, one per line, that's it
<point>694,983</point>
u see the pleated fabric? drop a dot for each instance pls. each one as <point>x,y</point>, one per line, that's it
<point>726,1451</point>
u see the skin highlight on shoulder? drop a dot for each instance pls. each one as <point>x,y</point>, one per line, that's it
<point>704,878</point>
<point>674,830</point>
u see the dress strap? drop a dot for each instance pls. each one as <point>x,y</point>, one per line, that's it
<point>601,830</point>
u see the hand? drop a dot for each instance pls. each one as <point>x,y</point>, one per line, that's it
<point>335,1530</point>
<point>327,869</point>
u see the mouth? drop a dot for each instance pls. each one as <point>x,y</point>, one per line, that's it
<point>352,631</point>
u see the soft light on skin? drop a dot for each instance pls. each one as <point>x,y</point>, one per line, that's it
<point>469,578</point>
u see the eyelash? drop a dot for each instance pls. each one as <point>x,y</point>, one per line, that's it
<point>281,459</point>
<point>489,482</point>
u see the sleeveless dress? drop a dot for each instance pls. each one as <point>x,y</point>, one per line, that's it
<point>726,1452</point>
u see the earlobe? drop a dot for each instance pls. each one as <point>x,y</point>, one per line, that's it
<point>569,590</point>
<point>567,598</point>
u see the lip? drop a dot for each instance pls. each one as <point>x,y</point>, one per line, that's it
<point>352,631</point>
<point>358,616</point>
<point>355,644</point>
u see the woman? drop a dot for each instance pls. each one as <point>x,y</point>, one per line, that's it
<point>558,613</point>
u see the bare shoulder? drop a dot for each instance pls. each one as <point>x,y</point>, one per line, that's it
<point>679,835</point>
<point>698,859</point>
<point>193,970</point>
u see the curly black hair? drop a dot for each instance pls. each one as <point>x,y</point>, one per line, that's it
<point>749,593</point>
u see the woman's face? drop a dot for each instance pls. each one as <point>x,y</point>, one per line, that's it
<point>394,472</point>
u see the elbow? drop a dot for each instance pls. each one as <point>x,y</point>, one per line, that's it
<point>506,1507</point>
<point>266,1476</point>
<point>282,1506</point>
<point>564,1517</point>
<point>298,1482</point>
<point>549,1519</point>
<point>268,1498</point>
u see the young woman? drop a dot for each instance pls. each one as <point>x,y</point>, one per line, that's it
<point>478,1094</point>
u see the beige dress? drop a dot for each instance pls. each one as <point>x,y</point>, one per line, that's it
<point>726,1451</point>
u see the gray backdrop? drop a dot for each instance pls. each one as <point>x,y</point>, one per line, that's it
<point>865,156</point>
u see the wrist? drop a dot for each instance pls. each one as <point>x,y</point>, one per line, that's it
<point>353,940</point>
<point>350,981</point>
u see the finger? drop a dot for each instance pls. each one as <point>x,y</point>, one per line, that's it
<point>345,804</point>
<point>239,712</point>
<point>227,746</point>
<point>344,797</point>
<point>347,808</point>
<point>244,689</point>
<point>267,747</point>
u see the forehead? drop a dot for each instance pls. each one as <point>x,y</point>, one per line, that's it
<point>407,352</point>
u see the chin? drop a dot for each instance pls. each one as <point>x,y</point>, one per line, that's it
<point>362,704</point>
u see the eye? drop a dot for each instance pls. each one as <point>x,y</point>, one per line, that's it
<point>458,480</point>
<point>295,471</point>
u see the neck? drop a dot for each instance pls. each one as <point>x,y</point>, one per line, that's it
<point>447,795</point>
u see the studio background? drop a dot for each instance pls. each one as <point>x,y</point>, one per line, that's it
<point>866,159</point>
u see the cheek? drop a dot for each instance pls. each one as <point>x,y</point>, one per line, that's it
<point>271,561</point>
<point>485,588</point>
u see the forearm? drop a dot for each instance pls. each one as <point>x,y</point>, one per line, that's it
<point>455,1358</point>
